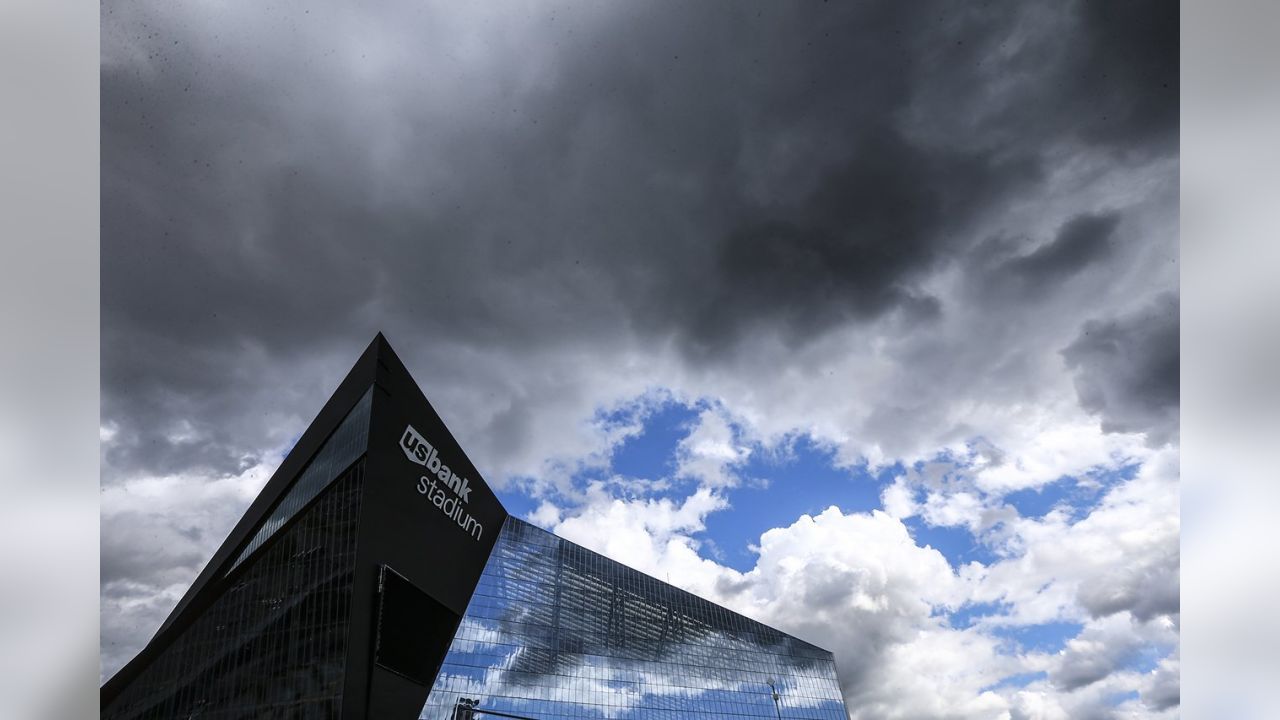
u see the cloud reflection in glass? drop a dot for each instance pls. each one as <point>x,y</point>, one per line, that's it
<point>555,631</point>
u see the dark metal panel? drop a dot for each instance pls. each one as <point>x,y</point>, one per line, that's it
<point>439,540</point>
<point>408,620</point>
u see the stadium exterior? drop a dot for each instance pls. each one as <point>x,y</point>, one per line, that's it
<point>378,576</point>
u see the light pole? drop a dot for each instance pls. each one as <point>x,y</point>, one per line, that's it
<point>774,691</point>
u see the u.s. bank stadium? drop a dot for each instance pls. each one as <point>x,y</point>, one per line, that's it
<point>378,576</point>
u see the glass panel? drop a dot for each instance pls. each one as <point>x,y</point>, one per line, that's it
<point>556,631</point>
<point>346,444</point>
<point>274,643</point>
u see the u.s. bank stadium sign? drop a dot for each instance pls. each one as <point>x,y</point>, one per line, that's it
<point>448,491</point>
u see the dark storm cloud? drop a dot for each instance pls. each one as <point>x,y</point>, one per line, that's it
<point>275,189</point>
<point>1127,370</point>
<point>1006,271</point>
<point>851,248</point>
<point>1099,73</point>
<point>1126,73</point>
<point>1082,240</point>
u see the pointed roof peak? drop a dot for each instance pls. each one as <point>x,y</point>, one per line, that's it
<point>384,354</point>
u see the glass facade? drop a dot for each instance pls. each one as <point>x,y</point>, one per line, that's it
<point>555,631</point>
<point>273,644</point>
<point>341,449</point>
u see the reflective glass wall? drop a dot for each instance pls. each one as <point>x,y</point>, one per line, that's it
<point>555,631</point>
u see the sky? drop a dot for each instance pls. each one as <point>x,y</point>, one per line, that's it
<point>860,319</point>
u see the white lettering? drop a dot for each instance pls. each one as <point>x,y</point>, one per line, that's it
<point>423,453</point>
<point>415,446</point>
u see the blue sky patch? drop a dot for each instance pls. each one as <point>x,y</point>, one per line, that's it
<point>1122,697</point>
<point>652,453</point>
<point>972,612</point>
<point>956,544</point>
<point>1040,501</point>
<point>1148,657</point>
<point>1047,637</point>
<point>779,488</point>
<point>1019,680</point>
<point>1078,496</point>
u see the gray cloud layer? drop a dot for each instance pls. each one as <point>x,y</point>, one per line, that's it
<point>277,187</point>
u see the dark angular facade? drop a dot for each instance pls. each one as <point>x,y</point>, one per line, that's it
<point>378,576</point>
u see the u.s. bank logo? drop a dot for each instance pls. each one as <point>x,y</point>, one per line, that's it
<point>438,477</point>
<point>417,449</point>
